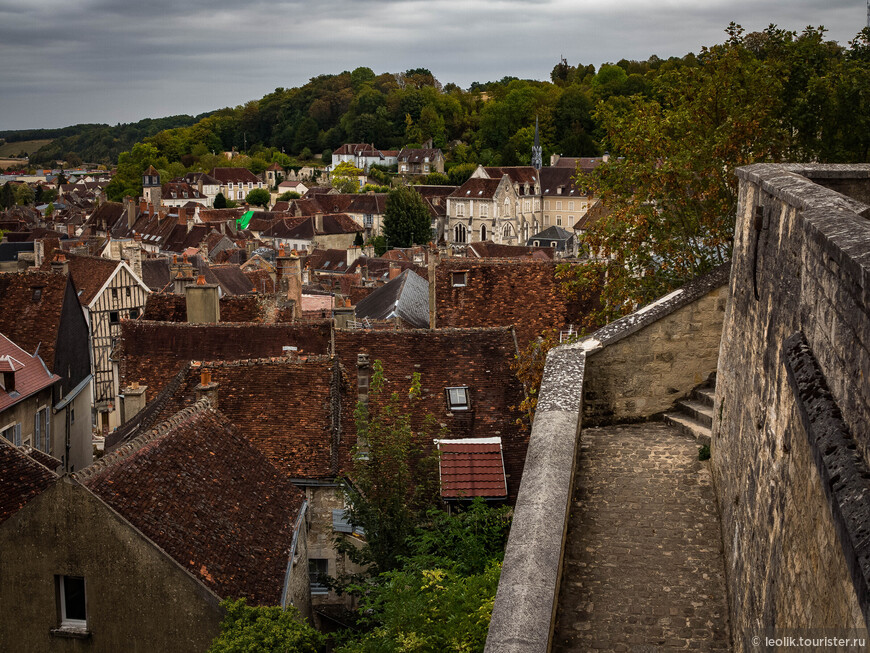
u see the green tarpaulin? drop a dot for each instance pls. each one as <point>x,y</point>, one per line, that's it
<point>245,220</point>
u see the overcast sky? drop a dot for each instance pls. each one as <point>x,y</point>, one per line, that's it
<point>110,61</point>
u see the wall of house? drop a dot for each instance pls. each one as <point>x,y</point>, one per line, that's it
<point>793,558</point>
<point>138,599</point>
<point>24,413</point>
<point>322,500</point>
<point>645,373</point>
<point>77,417</point>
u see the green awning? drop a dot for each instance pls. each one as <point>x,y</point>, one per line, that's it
<point>245,220</point>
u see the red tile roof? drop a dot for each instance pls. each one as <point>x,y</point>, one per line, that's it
<point>31,374</point>
<point>234,176</point>
<point>30,321</point>
<point>21,479</point>
<point>89,274</point>
<point>477,188</point>
<point>472,467</point>
<point>204,494</point>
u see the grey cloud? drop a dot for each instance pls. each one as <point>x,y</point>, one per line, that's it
<point>113,60</point>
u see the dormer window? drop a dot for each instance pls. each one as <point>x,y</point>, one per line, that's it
<point>460,279</point>
<point>457,398</point>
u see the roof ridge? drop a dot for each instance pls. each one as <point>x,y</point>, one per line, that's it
<point>129,448</point>
<point>265,360</point>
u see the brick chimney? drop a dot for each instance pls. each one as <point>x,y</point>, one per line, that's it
<point>203,302</point>
<point>395,270</point>
<point>60,264</point>
<point>353,253</point>
<point>134,400</point>
<point>207,389</point>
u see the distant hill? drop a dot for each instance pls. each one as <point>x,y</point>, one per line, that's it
<point>91,143</point>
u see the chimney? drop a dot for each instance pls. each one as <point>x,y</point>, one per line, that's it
<point>433,263</point>
<point>395,270</point>
<point>180,281</point>
<point>134,255</point>
<point>353,253</point>
<point>207,389</point>
<point>134,400</point>
<point>130,207</point>
<point>60,264</point>
<point>143,205</point>
<point>318,222</point>
<point>606,157</point>
<point>203,302</point>
<point>70,230</point>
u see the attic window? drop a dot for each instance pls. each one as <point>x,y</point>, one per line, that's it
<point>457,398</point>
<point>460,279</point>
<point>37,293</point>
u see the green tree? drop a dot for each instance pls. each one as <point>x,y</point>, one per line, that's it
<point>246,629</point>
<point>24,194</point>
<point>220,202</point>
<point>345,177</point>
<point>461,173</point>
<point>406,218</point>
<point>49,211</point>
<point>7,196</point>
<point>288,195</point>
<point>394,477</point>
<point>258,197</point>
<point>379,243</point>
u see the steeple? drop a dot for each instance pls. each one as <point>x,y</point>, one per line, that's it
<point>537,156</point>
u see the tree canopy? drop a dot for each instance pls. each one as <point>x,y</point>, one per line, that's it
<point>406,218</point>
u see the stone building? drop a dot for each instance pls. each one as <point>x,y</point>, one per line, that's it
<point>137,550</point>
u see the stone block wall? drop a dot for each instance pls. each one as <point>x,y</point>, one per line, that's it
<point>641,364</point>
<point>801,264</point>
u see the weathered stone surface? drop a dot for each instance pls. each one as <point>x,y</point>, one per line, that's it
<point>805,269</point>
<point>643,565</point>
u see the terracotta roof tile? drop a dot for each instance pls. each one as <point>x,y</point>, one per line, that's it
<point>204,494</point>
<point>31,374</point>
<point>32,319</point>
<point>472,469</point>
<point>21,479</point>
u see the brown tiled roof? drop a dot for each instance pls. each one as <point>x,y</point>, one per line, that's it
<point>89,274</point>
<point>108,213</point>
<point>43,458</point>
<point>232,279</point>
<point>477,188</point>
<point>489,297</point>
<point>155,273</point>
<point>261,280</point>
<point>31,374</point>
<point>517,174</point>
<point>152,352</point>
<point>489,249</point>
<point>418,155</point>
<point>554,178</point>
<point>472,468</point>
<point>587,163</point>
<point>199,490</point>
<point>292,427</point>
<point>234,175</point>
<point>177,190</point>
<point>477,358</point>
<point>358,148</point>
<point>21,479</point>
<point>219,215</point>
<point>327,260</point>
<point>30,323</point>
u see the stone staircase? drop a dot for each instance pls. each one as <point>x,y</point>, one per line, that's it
<point>694,415</point>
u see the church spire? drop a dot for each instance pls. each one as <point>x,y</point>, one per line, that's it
<point>537,156</point>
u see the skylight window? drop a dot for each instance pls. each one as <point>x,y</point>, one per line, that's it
<point>457,398</point>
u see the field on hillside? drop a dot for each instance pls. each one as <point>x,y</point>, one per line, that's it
<point>13,149</point>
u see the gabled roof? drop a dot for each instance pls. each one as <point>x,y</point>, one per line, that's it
<point>205,495</point>
<point>32,319</point>
<point>489,249</point>
<point>419,155</point>
<point>359,149</point>
<point>554,179</point>
<point>234,175</point>
<point>21,479</point>
<point>232,279</point>
<point>477,188</point>
<point>472,467</point>
<point>406,297</point>
<point>31,374</point>
<point>552,233</point>
<point>517,174</point>
<point>90,274</point>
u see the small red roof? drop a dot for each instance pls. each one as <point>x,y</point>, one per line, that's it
<point>31,374</point>
<point>472,467</point>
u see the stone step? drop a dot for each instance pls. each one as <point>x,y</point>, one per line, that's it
<point>698,410</point>
<point>706,395</point>
<point>689,426</point>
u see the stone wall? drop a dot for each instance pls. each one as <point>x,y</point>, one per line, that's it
<point>137,597</point>
<point>801,264</point>
<point>657,355</point>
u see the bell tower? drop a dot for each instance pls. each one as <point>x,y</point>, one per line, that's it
<point>537,157</point>
<point>151,189</point>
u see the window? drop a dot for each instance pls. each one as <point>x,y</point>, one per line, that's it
<point>114,294</point>
<point>459,233</point>
<point>317,569</point>
<point>13,434</point>
<point>41,429</point>
<point>537,243</point>
<point>506,232</point>
<point>37,293</point>
<point>230,185</point>
<point>546,205</point>
<point>73,608</point>
<point>368,219</point>
<point>460,209</point>
<point>483,232</point>
<point>527,205</point>
<point>134,313</point>
<point>484,210</point>
<point>457,398</point>
<point>460,279</point>
<point>570,206</point>
<point>72,414</point>
<point>553,244</point>
<point>127,291</point>
<point>558,220</point>
<point>114,317</point>
<point>559,206</point>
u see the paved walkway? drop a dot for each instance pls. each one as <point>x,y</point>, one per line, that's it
<point>643,562</point>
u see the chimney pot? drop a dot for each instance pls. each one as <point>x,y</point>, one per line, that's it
<point>200,280</point>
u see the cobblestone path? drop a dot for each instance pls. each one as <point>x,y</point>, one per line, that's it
<point>643,567</point>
